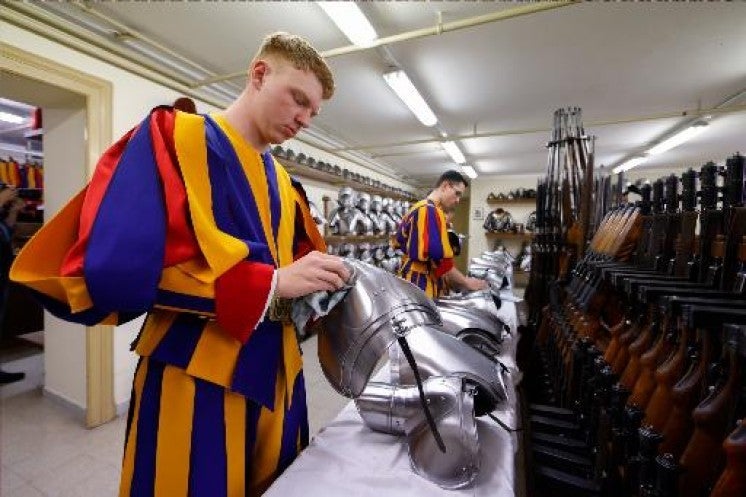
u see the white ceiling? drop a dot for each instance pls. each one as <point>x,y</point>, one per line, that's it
<point>617,61</point>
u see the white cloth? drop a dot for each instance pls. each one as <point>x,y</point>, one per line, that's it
<point>347,459</point>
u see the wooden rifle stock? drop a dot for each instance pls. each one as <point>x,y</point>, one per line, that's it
<point>658,408</point>
<point>702,458</point>
<point>641,344</point>
<point>686,394</point>
<point>649,362</point>
<point>732,482</point>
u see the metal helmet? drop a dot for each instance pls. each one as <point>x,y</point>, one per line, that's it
<point>397,410</point>
<point>346,197</point>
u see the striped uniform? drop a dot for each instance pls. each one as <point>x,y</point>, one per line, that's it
<point>423,238</point>
<point>184,220</point>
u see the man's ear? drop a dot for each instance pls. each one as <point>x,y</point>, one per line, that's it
<point>258,72</point>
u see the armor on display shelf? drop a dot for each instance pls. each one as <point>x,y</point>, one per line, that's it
<point>390,265</point>
<point>499,220</point>
<point>363,205</point>
<point>346,219</point>
<point>301,159</point>
<point>398,210</point>
<point>347,250</point>
<point>393,259</point>
<point>387,215</point>
<point>379,253</point>
<point>376,214</point>
<point>278,152</point>
<point>364,253</point>
<point>438,382</point>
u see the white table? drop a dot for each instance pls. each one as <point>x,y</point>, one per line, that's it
<point>348,459</point>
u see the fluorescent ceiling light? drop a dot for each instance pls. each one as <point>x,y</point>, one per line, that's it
<point>454,152</point>
<point>11,118</point>
<point>469,171</point>
<point>351,21</point>
<point>406,91</point>
<point>678,138</point>
<point>629,164</point>
<point>75,16</point>
<point>215,93</point>
<point>224,91</point>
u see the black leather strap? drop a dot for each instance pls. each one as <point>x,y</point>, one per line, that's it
<point>428,415</point>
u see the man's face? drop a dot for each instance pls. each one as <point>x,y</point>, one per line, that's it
<point>451,194</point>
<point>288,98</point>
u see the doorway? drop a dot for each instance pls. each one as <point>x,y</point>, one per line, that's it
<point>76,115</point>
<point>22,176</point>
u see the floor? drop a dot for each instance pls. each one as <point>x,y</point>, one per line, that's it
<point>46,452</point>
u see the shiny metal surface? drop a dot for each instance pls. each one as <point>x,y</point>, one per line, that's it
<point>360,329</point>
<point>440,354</point>
<point>484,300</point>
<point>489,263</point>
<point>459,466</point>
<point>397,410</point>
<point>521,308</point>
<point>457,318</point>
<point>479,328</point>
<point>346,219</point>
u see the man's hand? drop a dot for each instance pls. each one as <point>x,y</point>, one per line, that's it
<point>8,194</point>
<point>474,284</point>
<point>311,273</point>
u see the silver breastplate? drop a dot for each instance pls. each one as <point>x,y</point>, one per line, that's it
<point>358,331</point>
<point>345,221</point>
<point>365,225</point>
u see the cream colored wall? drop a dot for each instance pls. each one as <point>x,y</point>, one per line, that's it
<point>133,96</point>
<point>480,189</point>
<point>64,343</point>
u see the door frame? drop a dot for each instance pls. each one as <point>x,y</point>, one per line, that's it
<point>100,405</point>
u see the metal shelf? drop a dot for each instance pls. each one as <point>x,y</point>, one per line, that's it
<point>512,201</point>
<point>307,172</point>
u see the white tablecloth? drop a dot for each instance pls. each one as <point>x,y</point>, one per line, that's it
<point>348,459</point>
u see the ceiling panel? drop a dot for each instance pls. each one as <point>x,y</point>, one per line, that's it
<point>617,61</point>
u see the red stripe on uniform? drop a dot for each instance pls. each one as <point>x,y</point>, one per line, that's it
<point>95,191</point>
<point>181,244</point>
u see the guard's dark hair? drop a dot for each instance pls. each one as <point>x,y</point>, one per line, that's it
<point>452,176</point>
